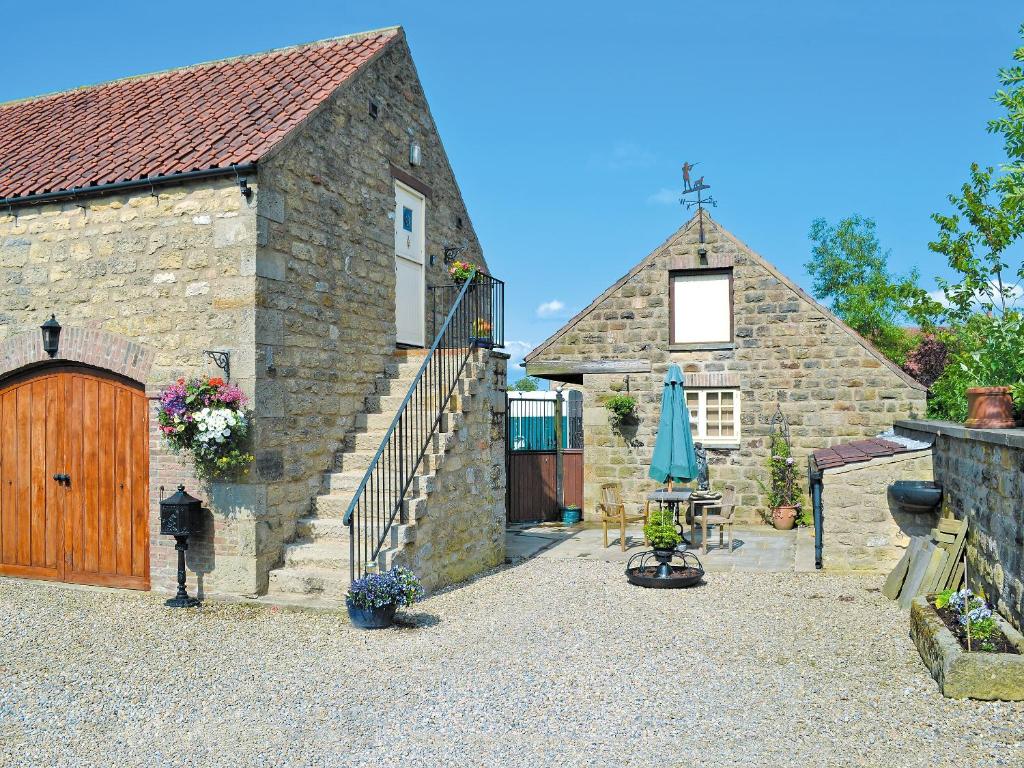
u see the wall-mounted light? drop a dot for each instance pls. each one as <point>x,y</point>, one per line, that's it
<point>415,154</point>
<point>702,254</point>
<point>245,189</point>
<point>51,336</point>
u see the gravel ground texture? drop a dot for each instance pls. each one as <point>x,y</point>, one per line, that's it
<point>548,663</point>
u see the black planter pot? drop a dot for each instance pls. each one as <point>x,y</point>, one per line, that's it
<point>664,558</point>
<point>372,618</point>
<point>915,496</point>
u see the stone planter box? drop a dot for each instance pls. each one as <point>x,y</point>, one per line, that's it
<point>963,675</point>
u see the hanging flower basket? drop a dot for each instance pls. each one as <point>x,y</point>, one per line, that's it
<point>460,271</point>
<point>205,418</point>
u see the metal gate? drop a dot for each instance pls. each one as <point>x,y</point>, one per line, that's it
<point>544,430</point>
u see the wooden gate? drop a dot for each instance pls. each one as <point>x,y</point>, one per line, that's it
<point>531,460</point>
<point>74,478</point>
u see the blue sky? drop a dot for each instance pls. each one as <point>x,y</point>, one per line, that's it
<point>566,123</point>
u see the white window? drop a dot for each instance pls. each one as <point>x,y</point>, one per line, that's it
<point>714,415</point>
<point>701,307</point>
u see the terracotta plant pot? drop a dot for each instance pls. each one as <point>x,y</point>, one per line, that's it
<point>784,518</point>
<point>989,408</point>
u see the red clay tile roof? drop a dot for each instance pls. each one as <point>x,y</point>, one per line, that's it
<point>205,116</point>
<point>856,451</point>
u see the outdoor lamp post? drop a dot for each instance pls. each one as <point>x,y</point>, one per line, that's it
<point>51,335</point>
<point>178,514</point>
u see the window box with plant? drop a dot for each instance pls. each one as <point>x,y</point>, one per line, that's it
<point>480,334</point>
<point>373,600</point>
<point>971,651</point>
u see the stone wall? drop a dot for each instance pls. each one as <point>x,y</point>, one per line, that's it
<point>860,530</point>
<point>982,476</point>
<point>787,350</point>
<point>463,532</point>
<point>325,266</point>
<point>142,284</point>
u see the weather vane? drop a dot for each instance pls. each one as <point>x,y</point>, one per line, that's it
<point>696,187</point>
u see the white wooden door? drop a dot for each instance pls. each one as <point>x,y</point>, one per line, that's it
<point>410,250</point>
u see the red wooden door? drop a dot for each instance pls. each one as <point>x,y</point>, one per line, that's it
<point>92,428</point>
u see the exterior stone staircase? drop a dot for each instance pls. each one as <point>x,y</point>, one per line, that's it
<point>315,567</point>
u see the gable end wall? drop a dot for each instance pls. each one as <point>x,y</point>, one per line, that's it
<point>788,351</point>
<point>325,266</point>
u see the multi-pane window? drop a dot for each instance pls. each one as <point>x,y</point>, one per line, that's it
<point>701,307</point>
<point>714,415</point>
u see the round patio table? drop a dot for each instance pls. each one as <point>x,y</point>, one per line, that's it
<point>673,500</point>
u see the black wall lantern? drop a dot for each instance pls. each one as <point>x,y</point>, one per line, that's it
<point>178,516</point>
<point>51,336</point>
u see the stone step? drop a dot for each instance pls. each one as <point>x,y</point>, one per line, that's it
<point>331,508</point>
<point>316,554</point>
<point>332,505</point>
<point>326,582</point>
<point>323,529</point>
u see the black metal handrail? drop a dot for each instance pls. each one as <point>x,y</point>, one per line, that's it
<point>476,319</point>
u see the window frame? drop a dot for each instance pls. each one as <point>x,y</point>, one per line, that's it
<point>674,345</point>
<point>716,441</point>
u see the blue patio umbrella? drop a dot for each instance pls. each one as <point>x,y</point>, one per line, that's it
<point>674,458</point>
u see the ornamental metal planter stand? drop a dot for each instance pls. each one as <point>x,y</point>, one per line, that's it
<point>641,571</point>
<point>177,518</point>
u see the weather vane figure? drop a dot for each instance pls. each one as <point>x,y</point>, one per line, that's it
<point>696,187</point>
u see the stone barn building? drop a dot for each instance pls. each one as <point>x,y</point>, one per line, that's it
<point>292,209</point>
<point>748,340</point>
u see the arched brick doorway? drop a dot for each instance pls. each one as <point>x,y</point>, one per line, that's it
<point>74,476</point>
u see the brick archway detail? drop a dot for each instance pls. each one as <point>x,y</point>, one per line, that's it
<point>90,346</point>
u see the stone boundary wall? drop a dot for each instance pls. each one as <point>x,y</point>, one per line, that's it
<point>982,475</point>
<point>860,531</point>
<point>464,530</point>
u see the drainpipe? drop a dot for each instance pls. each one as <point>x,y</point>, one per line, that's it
<point>559,459</point>
<point>815,482</point>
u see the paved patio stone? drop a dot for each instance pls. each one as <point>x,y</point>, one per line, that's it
<point>758,549</point>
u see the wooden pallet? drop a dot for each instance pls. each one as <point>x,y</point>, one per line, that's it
<point>931,563</point>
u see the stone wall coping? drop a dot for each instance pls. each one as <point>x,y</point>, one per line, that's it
<point>1011,438</point>
<point>877,462</point>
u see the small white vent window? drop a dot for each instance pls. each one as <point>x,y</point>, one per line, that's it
<point>701,307</point>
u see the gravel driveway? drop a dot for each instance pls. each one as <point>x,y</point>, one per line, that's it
<point>548,663</point>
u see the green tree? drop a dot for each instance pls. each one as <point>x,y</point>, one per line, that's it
<point>526,384</point>
<point>979,319</point>
<point>851,271</point>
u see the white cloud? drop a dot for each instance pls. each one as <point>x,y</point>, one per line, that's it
<point>550,309</point>
<point>626,154</point>
<point>518,350</point>
<point>664,196</point>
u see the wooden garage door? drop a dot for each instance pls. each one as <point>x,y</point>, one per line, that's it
<point>93,526</point>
